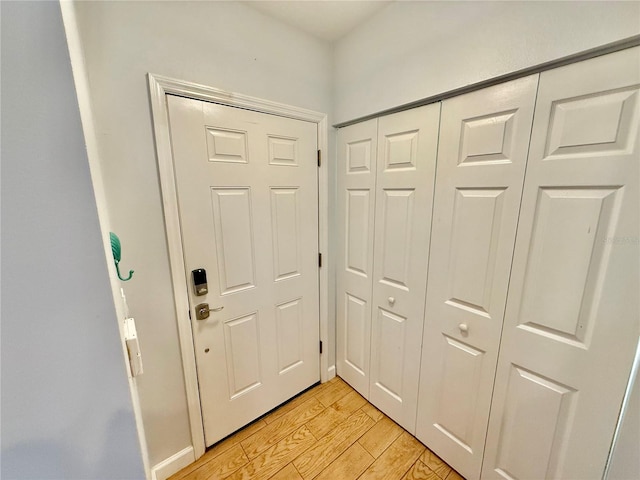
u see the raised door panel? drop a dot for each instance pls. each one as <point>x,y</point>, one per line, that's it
<point>461,375</point>
<point>355,338</point>
<point>389,364</point>
<point>234,238</point>
<point>242,345</point>
<point>395,235</point>
<point>357,242</point>
<point>571,322</point>
<point>535,426</point>
<point>227,146</point>
<point>290,330</point>
<point>357,156</point>
<point>407,144</point>
<point>285,231</point>
<point>477,218</point>
<point>569,227</point>
<point>283,151</point>
<point>484,137</point>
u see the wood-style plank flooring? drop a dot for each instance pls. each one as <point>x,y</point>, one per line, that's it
<point>329,432</point>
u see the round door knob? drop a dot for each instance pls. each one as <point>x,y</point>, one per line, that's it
<point>391,300</point>
<point>463,328</point>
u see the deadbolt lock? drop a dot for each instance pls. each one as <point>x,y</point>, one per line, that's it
<point>202,311</point>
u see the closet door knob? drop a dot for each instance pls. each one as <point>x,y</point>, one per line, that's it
<point>463,328</point>
<point>391,300</point>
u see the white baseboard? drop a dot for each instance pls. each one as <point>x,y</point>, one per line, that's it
<point>173,464</point>
<point>331,372</point>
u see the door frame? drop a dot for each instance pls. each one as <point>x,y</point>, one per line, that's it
<point>159,87</point>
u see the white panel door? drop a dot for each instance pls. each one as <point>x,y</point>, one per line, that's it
<point>482,154</point>
<point>571,321</point>
<point>247,193</point>
<point>357,148</point>
<point>407,147</point>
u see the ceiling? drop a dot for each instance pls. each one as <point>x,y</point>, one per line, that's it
<point>325,19</point>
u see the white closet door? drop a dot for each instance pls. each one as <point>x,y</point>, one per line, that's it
<point>357,147</point>
<point>571,322</point>
<point>407,147</point>
<point>483,144</point>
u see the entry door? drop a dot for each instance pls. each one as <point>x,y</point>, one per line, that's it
<point>484,137</point>
<point>247,194</point>
<point>571,322</point>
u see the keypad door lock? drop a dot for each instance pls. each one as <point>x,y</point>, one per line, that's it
<point>199,280</point>
<point>202,311</point>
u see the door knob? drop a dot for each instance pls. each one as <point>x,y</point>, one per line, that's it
<point>463,328</point>
<point>391,300</point>
<point>202,311</point>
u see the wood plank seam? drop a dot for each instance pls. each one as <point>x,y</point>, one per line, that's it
<point>354,441</point>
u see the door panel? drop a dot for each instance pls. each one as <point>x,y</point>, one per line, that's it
<point>290,328</point>
<point>461,376</point>
<point>355,337</point>
<point>234,238</point>
<point>357,148</point>
<point>477,218</point>
<point>571,322</point>
<point>242,345</point>
<point>567,223</point>
<point>357,240</point>
<point>482,152</point>
<point>395,233</point>
<point>247,195</point>
<point>533,430</point>
<point>389,363</point>
<point>285,229</point>
<point>407,146</point>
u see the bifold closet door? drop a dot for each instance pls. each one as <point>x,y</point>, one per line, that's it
<point>407,147</point>
<point>386,171</point>
<point>357,149</point>
<point>571,322</point>
<point>484,137</point>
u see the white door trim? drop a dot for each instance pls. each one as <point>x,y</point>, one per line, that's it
<point>159,87</point>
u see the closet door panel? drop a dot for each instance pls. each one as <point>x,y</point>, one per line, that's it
<point>407,146</point>
<point>571,322</point>
<point>484,137</point>
<point>357,148</point>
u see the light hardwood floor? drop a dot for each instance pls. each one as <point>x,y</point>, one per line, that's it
<point>328,432</point>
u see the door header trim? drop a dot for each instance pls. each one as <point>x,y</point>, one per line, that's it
<point>197,91</point>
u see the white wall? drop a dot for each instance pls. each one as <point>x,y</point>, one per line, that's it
<point>222,44</point>
<point>413,50</point>
<point>66,406</point>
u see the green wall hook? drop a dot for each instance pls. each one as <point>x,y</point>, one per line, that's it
<point>116,249</point>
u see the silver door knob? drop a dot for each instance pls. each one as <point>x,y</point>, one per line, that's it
<point>202,311</point>
<point>463,328</point>
<point>391,300</point>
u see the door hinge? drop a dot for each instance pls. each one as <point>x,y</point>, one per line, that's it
<point>319,260</point>
<point>320,346</point>
<point>319,157</point>
<point>189,314</point>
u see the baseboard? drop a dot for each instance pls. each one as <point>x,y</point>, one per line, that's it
<point>331,372</point>
<point>173,464</point>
